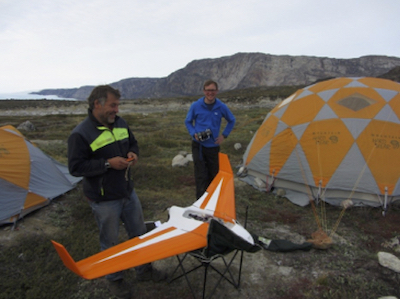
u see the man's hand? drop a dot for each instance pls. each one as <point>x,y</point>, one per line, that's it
<point>219,139</point>
<point>120,163</point>
<point>132,158</point>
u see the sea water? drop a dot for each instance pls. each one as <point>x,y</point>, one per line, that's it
<point>28,96</point>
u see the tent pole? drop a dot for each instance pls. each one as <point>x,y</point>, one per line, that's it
<point>385,202</point>
<point>269,186</point>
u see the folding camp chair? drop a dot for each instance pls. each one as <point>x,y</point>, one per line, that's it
<point>220,242</point>
<point>206,262</point>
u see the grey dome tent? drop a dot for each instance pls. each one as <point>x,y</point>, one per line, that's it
<point>29,179</point>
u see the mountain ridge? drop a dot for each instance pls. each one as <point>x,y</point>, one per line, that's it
<point>242,70</point>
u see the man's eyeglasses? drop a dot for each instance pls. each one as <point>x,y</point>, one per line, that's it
<point>210,90</point>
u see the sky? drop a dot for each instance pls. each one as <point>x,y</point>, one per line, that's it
<point>71,43</point>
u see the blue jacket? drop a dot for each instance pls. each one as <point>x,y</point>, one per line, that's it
<point>199,118</point>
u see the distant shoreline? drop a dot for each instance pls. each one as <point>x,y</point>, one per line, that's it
<point>30,95</point>
<point>20,103</point>
<point>54,107</point>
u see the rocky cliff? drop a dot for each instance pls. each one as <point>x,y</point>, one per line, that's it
<point>243,70</point>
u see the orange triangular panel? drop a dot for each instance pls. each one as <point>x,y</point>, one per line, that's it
<point>380,83</point>
<point>263,135</point>
<point>14,159</point>
<point>329,84</point>
<point>395,105</point>
<point>309,107</point>
<point>380,145</point>
<point>281,148</point>
<point>325,144</point>
<point>33,199</point>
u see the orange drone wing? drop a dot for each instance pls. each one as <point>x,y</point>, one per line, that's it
<point>162,243</point>
<point>186,230</point>
<point>220,194</point>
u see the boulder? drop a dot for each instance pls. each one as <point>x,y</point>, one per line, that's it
<point>26,126</point>
<point>179,161</point>
<point>389,261</point>
<point>237,146</point>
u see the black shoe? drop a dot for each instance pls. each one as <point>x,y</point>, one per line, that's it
<point>152,274</point>
<point>120,289</point>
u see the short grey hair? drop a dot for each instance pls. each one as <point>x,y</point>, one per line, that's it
<point>100,93</point>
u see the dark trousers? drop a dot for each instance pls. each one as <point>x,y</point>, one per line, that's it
<point>108,215</point>
<point>206,166</point>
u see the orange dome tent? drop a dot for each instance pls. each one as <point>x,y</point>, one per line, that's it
<point>335,140</point>
<point>29,179</point>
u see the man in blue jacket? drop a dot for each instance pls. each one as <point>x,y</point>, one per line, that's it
<point>203,121</point>
<point>103,149</point>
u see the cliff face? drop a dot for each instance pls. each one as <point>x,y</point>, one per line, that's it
<point>243,70</point>
<point>393,74</point>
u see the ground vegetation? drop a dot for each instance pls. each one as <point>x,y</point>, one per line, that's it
<point>30,267</point>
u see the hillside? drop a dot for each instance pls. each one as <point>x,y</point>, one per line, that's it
<point>393,74</point>
<point>242,71</point>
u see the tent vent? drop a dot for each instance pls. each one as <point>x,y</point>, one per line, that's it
<point>356,102</point>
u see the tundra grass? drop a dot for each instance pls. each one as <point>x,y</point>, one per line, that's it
<point>31,268</point>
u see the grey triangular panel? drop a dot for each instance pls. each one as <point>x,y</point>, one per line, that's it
<point>296,168</point>
<point>280,127</point>
<point>396,191</point>
<point>356,83</point>
<point>299,130</point>
<point>327,94</point>
<point>355,125</point>
<point>280,112</point>
<point>248,148</point>
<point>387,114</point>
<point>353,174</point>
<point>303,94</point>
<point>260,161</point>
<point>46,179</point>
<point>12,207</point>
<point>326,112</point>
<point>386,93</point>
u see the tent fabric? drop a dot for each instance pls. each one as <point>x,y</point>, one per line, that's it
<point>29,179</point>
<point>334,140</point>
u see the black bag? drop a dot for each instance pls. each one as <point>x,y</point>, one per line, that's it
<point>221,240</point>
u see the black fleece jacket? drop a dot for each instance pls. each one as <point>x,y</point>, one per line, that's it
<point>89,146</point>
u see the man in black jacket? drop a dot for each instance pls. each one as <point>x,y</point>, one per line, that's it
<point>102,149</point>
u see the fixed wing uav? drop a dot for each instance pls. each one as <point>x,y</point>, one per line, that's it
<point>186,230</point>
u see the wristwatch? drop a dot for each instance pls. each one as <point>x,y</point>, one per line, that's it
<point>107,164</point>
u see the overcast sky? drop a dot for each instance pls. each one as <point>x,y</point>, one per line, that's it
<point>70,43</point>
